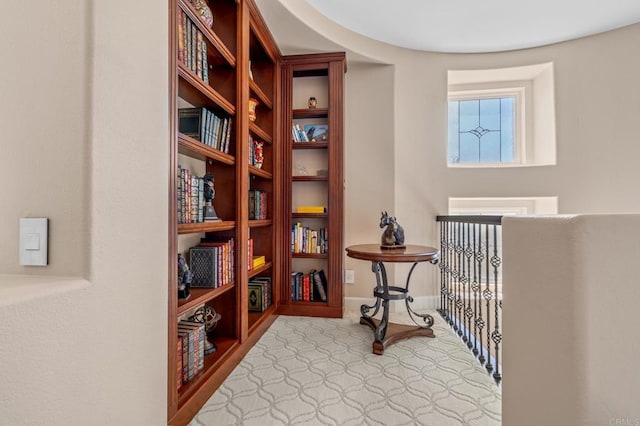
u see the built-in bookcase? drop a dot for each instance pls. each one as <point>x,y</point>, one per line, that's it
<point>219,80</point>
<point>313,160</point>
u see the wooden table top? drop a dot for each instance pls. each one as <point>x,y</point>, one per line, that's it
<point>411,253</point>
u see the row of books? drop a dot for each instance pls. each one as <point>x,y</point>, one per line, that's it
<point>298,134</point>
<point>259,294</point>
<point>192,47</point>
<point>256,152</point>
<point>212,263</point>
<point>311,287</point>
<point>257,204</point>
<point>307,240</point>
<point>190,197</point>
<point>190,351</point>
<point>205,126</point>
<point>255,261</point>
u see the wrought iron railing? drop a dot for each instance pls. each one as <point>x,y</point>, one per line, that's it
<point>471,284</point>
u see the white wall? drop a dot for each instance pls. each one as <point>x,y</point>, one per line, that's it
<point>570,320</point>
<point>93,353</point>
<point>44,117</point>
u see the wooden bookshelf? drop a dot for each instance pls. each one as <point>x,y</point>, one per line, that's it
<point>239,43</point>
<point>238,35</point>
<point>321,75</point>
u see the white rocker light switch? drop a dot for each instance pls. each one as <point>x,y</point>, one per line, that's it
<point>33,241</point>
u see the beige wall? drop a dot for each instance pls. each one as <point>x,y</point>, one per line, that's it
<point>597,104</point>
<point>369,165</point>
<point>570,320</point>
<point>44,110</point>
<point>92,353</point>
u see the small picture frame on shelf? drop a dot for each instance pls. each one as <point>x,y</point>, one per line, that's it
<point>317,132</point>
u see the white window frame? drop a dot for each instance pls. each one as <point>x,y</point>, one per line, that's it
<point>518,90</point>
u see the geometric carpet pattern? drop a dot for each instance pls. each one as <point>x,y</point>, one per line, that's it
<point>320,371</point>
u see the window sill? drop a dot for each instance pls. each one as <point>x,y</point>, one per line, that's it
<point>496,165</point>
<point>16,289</point>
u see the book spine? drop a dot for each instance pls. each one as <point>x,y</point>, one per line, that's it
<point>194,46</point>
<point>199,42</point>
<point>179,193</point>
<point>205,63</point>
<point>228,138</point>
<point>188,29</point>
<point>179,364</point>
<point>191,356</point>
<point>185,356</point>
<point>305,290</point>
<point>210,119</point>
<point>203,125</point>
<point>200,200</point>
<point>194,199</point>
<point>180,36</point>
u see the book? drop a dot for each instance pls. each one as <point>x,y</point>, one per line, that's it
<point>311,209</point>
<point>180,36</point>
<point>179,363</point>
<point>306,288</point>
<point>266,281</point>
<point>205,63</point>
<point>258,261</point>
<point>225,261</point>
<point>191,122</point>
<point>259,294</point>
<point>187,356</point>
<point>199,338</point>
<point>199,43</point>
<point>320,284</point>
<point>228,138</point>
<point>203,262</point>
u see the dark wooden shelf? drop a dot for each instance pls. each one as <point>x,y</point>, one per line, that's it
<point>310,255</point>
<point>196,149</point>
<point>194,228</point>
<point>260,172</point>
<point>309,215</point>
<point>256,130</point>
<point>299,114</point>
<point>260,223</point>
<point>202,295</point>
<point>309,178</point>
<point>255,318</point>
<point>221,52</point>
<point>310,145</point>
<point>260,269</point>
<point>199,89</point>
<point>309,302</point>
<point>260,94</point>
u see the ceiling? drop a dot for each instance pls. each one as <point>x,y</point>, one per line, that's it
<point>463,26</point>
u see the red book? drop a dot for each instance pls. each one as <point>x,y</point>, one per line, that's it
<point>306,287</point>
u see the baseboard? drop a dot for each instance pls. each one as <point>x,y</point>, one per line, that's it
<point>352,304</point>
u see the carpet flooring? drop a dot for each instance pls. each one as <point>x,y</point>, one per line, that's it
<point>319,371</point>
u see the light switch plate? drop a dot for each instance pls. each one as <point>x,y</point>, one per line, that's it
<point>34,236</point>
<point>349,276</point>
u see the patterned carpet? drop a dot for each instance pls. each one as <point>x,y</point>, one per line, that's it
<point>318,371</point>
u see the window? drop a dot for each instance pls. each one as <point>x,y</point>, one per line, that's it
<point>483,127</point>
<point>503,117</point>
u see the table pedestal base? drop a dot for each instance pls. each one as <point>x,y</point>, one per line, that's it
<point>393,333</point>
